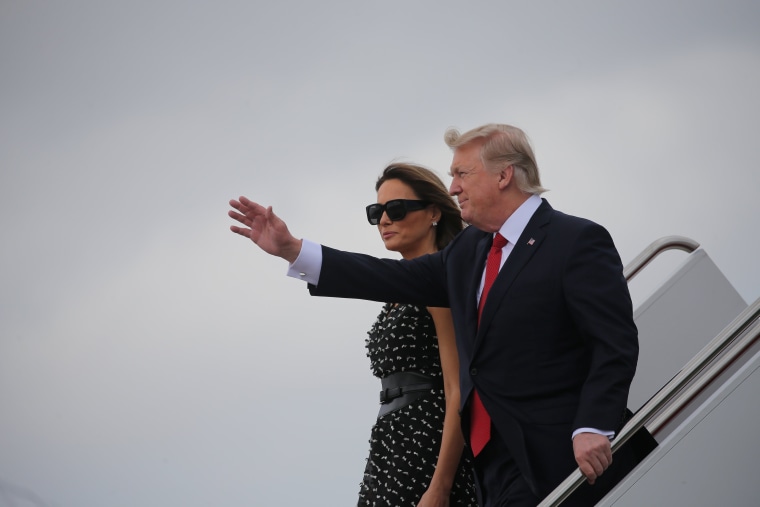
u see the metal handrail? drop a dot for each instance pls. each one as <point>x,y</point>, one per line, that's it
<point>743,322</point>
<point>655,249</point>
<point>696,383</point>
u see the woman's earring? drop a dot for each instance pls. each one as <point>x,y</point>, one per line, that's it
<point>435,224</point>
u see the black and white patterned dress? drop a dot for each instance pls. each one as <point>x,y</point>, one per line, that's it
<point>404,444</point>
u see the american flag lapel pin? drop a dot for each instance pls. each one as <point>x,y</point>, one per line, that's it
<point>531,241</point>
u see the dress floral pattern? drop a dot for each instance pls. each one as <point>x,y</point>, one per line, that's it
<point>404,444</point>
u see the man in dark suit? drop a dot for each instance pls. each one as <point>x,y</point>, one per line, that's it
<point>546,359</point>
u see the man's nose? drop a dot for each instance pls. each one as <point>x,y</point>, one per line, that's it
<point>454,188</point>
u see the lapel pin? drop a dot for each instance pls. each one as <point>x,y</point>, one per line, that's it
<point>531,241</point>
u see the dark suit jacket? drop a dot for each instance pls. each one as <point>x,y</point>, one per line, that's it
<point>556,348</point>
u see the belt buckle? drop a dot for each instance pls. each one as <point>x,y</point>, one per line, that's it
<point>390,393</point>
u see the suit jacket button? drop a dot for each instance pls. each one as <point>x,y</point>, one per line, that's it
<point>473,371</point>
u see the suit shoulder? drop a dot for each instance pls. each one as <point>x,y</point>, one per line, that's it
<point>573,231</point>
<point>575,222</point>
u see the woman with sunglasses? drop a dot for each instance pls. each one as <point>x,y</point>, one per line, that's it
<point>416,448</point>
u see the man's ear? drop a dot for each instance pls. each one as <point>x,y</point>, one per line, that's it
<point>505,176</point>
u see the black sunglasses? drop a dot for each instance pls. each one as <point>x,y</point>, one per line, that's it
<point>395,208</point>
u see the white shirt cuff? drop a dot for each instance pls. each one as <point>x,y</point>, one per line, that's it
<point>608,434</point>
<point>308,265</point>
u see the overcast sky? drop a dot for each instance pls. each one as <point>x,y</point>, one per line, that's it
<point>149,357</point>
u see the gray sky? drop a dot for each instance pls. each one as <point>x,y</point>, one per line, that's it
<point>150,357</point>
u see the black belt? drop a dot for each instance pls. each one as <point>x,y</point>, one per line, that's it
<point>402,388</point>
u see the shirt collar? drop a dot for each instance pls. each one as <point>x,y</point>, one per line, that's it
<point>513,228</point>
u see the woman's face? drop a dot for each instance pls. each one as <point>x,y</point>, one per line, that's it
<point>413,235</point>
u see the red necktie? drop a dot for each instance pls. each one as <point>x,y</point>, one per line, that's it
<point>480,422</point>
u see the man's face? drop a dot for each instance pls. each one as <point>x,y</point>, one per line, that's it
<point>476,189</point>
